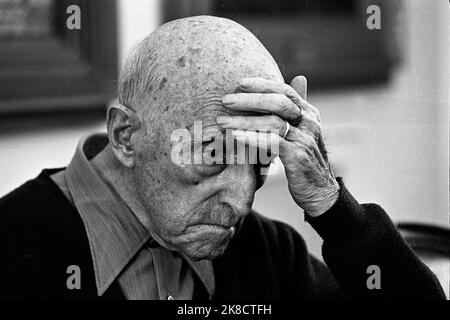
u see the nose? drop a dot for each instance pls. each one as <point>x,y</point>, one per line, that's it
<point>239,187</point>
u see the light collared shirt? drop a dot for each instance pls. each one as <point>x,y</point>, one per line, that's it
<point>121,247</point>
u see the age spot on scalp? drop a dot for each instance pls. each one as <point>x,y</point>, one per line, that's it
<point>194,50</point>
<point>181,62</point>
<point>162,83</point>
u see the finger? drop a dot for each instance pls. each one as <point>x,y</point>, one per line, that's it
<point>260,85</point>
<point>306,149</point>
<point>309,145</point>
<point>264,103</point>
<point>269,123</point>
<point>310,109</point>
<point>300,85</point>
<point>269,142</point>
<point>310,124</point>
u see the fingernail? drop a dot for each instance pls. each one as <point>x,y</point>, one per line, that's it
<point>223,120</point>
<point>228,99</point>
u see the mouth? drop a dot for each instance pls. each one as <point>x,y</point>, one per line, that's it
<point>215,227</point>
<point>219,220</point>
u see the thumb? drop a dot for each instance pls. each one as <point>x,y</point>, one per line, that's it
<point>300,85</point>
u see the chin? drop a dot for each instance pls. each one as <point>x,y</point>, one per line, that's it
<point>206,256</point>
<point>206,251</point>
<point>205,242</point>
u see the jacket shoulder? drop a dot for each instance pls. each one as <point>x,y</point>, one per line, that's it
<point>41,235</point>
<point>37,206</point>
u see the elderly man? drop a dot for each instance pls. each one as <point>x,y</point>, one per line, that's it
<point>126,221</point>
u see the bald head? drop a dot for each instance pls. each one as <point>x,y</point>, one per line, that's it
<point>190,63</point>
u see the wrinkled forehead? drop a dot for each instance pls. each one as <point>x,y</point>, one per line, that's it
<point>203,60</point>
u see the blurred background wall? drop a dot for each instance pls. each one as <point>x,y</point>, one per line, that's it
<point>389,141</point>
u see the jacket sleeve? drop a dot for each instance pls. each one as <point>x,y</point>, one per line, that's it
<point>368,257</point>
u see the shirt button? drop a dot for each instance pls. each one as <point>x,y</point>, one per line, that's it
<point>169,297</point>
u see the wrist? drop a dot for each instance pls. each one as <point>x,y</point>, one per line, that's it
<point>326,201</point>
<point>345,217</point>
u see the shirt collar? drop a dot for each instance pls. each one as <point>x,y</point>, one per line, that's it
<point>114,232</point>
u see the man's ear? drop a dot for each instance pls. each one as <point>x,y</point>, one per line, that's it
<point>121,124</point>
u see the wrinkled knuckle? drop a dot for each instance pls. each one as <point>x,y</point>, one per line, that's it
<point>289,108</point>
<point>285,106</point>
<point>290,92</point>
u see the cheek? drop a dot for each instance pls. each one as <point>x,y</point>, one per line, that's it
<point>166,200</point>
<point>152,179</point>
<point>169,192</point>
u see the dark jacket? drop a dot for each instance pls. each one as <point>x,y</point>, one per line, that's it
<point>41,234</point>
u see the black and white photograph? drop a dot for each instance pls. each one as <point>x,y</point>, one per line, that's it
<point>228,155</point>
